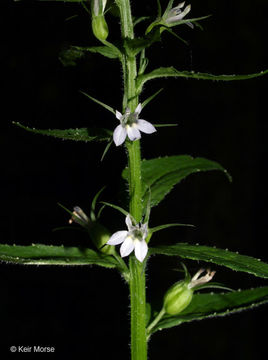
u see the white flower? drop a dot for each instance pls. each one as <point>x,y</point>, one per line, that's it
<point>131,125</point>
<point>196,281</point>
<point>176,14</point>
<point>133,239</point>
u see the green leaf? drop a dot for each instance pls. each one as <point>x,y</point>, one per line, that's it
<point>172,72</point>
<point>107,51</point>
<point>204,306</point>
<point>232,260</point>
<point>161,174</point>
<point>83,134</point>
<point>69,56</point>
<point>37,254</point>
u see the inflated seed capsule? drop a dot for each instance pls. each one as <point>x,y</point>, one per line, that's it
<point>180,295</point>
<point>177,298</point>
<point>99,236</point>
<point>97,232</point>
<point>100,27</point>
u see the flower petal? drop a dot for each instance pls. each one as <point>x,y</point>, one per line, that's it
<point>129,223</point>
<point>127,247</point>
<point>146,127</point>
<point>190,24</point>
<point>179,6</point>
<point>141,249</point>
<point>144,230</point>
<point>138,109</point>
<point>117,238</point>
<point>184,13</point>
<point>133,132</point>
<point>176,14</point>
<point>119,135</point>
<point>118,115</point>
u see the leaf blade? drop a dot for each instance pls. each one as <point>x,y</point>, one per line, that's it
<point>70,55</point>
<point>172,72</point>
<point>162,174</point>
<point>221,257</point>
<point>82,134</point>
<point>106,51</point>
<point>38,254</point>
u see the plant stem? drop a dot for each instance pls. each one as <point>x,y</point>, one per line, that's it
<point>137,273</point>
<point>138,310</point>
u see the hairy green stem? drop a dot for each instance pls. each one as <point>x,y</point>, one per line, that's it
<point>138,310</point>
<point>137,273</point>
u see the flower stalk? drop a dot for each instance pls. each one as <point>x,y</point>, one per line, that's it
<point>137,274</point>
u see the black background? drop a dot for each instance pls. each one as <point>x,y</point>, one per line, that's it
<point>85,311</point>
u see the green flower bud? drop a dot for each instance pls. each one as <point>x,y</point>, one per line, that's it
<point>100,27</point>
<point>177,298</point>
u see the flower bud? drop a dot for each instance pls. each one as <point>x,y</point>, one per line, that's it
<point>177,298</point>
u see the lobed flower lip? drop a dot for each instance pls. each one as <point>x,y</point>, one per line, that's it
<point>132,239</point>
<point>131,126</point>
<point>176,14</point>
<point>197,280</point>
<point>79,217</point>
<point>98,7</point>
